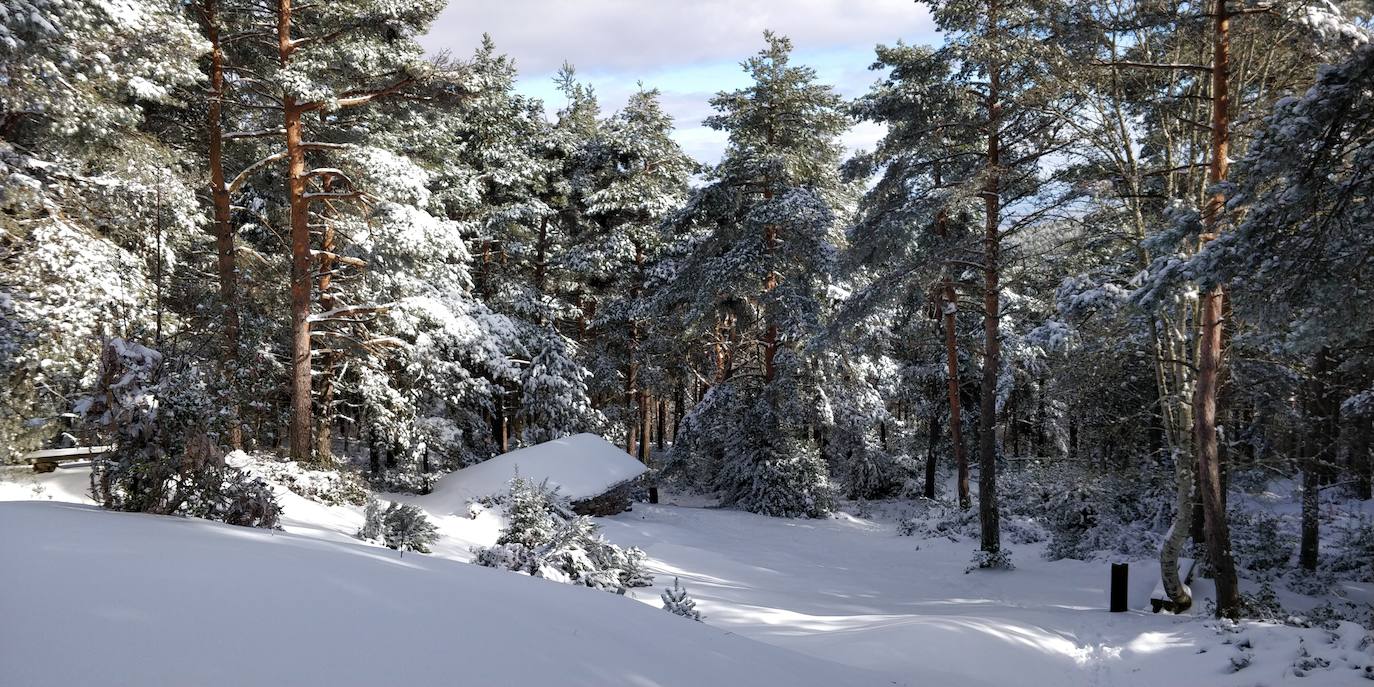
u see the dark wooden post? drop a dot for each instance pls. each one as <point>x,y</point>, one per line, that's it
<point>1120,574</point>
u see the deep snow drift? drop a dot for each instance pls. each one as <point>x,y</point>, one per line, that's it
<point>851,590</point>
<point>581,466</point>
<point>845,593</point>
<point>93,597</point>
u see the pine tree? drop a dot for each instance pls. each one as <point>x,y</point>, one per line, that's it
<point>87,248</point>
<point>1003,59</point>
<point>1315,216</point>
<point>406,528</point>
<point>328,62</point>
<point>636,176</point>
<point>759,242</point>
<point>522,168</point>
<point>677,602</point>
<point>913,227</point>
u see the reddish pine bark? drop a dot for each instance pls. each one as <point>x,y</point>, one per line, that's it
<point>1210,352</point>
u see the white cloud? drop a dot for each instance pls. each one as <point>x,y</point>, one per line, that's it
<point>649,35</point>
<point>689,49</point>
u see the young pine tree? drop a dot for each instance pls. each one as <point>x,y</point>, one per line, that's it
<point>760,244</point>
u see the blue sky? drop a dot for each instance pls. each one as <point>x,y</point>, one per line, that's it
<point>687,49</point>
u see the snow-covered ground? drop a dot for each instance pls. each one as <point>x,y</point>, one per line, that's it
<point>850,590</point>
<point>857,603</point>
<point>93,597</point>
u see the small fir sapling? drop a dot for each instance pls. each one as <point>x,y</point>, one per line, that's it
<point>531,519</point>
<point>678,602</point>
<point>634,572</point>
<point>401,526</point>
<point>542,540</point>
<point>406,528</point>
<point>372,521</point>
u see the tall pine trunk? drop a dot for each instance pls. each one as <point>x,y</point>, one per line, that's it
<point>989,525</point>
<point>662,421</point>
<point>324,436</point>
<point>932,445</point>
<point>541,259</point>
<point>299,430</point>
<point>1322,427</point>
<point>956,422</point>
<point>223,232</point>
<point>770,279</point>
<point>949,313</point>
<point>1210,353</point>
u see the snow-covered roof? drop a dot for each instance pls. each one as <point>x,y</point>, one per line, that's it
<point>582,466</point>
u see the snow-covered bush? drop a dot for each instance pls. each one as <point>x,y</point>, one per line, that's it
<point>401,526</point>
<point>544,540</point>
<point>407,528</point>
<point>940,518</point>
<point>738,443</point>
<point>165,460</point>
<point>1021,531</point>
<point>677,602</point>
<point>1351,551</point>
<point>1090,514</point>
<point>982,560</point>
<point>1263,604</point>
<point>333,487</point>
<point>1071,515</point>
<point>531,514</point>
<point>372,521</point>
<point>1260,542</point>
<point>234,497</point>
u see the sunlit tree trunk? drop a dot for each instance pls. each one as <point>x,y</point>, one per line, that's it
<point>991,539</point>
<point>1210,352</point>
<point>300,427</point>
<point>223,232</point>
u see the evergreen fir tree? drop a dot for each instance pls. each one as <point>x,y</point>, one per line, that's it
<point>677,602</point>
<point>531,522</point>
<point>406,528</point>
<point>760,239</point>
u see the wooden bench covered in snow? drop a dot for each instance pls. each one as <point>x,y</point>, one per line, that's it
<point>46,460</point>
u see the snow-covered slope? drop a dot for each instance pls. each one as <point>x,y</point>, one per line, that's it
<point>845,592</point>
<point>850,590</point>
<point>582,466</point>
<point>93,597</point>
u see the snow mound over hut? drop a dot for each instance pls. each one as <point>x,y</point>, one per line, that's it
<point>582,466</point>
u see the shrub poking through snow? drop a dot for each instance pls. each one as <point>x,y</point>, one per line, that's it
<point>677,602</point>
<point>545,540</point>
<point>401,526</point>
<point>160,417</point>
<point>406,528</point>
<point>1352,550</point>
<point>982,560</point>
<point>234,497</point>
<point>372,522</point>
<point>332,487</point>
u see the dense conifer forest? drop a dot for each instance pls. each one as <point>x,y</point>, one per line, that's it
<point>1102,290</point>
